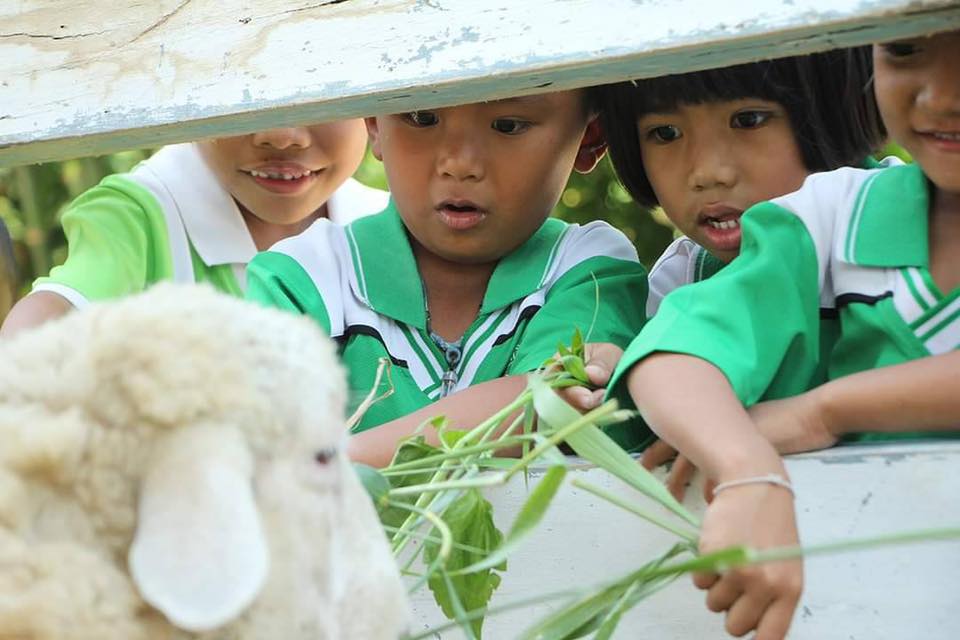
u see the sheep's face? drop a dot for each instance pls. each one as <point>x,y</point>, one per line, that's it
<point>210,446</point>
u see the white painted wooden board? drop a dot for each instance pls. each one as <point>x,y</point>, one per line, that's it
<point>893,593</point>
<point>93,76</point>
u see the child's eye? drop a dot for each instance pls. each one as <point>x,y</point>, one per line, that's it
<point>421,118</point>
<point>664,133</point>
<point>510,126</point>
<point>749,119</point>
<point>900,49</point>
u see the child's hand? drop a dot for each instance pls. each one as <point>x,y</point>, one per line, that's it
<point>600,359</point>
<point>794,424</point>
<point>761,597</point>
<point>680,473</point>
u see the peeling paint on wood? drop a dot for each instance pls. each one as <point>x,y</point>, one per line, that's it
<point>891,593</point>
<point>84,78</point>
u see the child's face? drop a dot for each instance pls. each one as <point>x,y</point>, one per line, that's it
<point>918,92</point>
<point>282,176</point>
<point>707,163</point>
<point>473,182</point>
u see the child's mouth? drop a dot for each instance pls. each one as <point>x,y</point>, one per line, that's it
<point>943,140</point>
<point>460,215</point>
<point>721,227</point>
<point>285,180</point>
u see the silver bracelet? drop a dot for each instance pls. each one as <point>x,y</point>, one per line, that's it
<point>770,478</point>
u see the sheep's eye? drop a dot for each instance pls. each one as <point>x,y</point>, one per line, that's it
<point>325,456</point>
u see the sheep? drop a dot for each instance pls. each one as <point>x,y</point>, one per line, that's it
<point>172,466</point>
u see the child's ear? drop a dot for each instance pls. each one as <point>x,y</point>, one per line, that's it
<point>373,131</point>
<point>593,146</point>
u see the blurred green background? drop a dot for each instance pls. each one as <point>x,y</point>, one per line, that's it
<point>32,199</point>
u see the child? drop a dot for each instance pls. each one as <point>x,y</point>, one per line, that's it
<point>876,247</point>
<point>707,145</point>
<point>199,212</point>
<point>463,282</point>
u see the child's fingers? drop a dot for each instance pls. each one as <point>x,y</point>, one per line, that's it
<point>680,474</point>
<point>705,580</point>
<point>601,360</point>
<point>708,486</point>
<point>724,593</point>
<point>657,454</point>
<point>581,398</point>
<point>776,620</point>
<point>745,614</point>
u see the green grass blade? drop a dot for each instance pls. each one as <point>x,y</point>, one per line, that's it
<point>588,613</point>
<point>689,536</point>
<point>597,447</point>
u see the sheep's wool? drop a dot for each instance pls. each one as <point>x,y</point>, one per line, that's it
<point>172,467</point>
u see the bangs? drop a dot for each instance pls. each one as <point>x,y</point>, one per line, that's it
<point>766,80</point>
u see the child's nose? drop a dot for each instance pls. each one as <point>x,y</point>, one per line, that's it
<point>284,138</point>
<point>459,157</point>
<point>940,93</point>
<point>712,165</point>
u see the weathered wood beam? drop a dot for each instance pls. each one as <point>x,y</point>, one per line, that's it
<point>92,77</point>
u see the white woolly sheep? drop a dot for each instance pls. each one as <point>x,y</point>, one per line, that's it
<point>171,466</point>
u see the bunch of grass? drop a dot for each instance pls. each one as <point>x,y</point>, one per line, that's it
<point>442,531</point>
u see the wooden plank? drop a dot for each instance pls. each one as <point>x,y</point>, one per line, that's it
<point>845,492</point>
<point>91,77</point>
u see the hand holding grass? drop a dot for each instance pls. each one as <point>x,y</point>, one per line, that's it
<point>761,597</point>
<point>600,359</point>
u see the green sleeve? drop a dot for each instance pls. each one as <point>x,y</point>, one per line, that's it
<point>757,320</point>
<point>618,286</point>
<point>277,280</point>
<point>117,242</point>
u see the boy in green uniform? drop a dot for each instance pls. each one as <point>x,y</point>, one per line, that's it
<point>881,249</point>
<point>463,282</point>
<point>199,212</point>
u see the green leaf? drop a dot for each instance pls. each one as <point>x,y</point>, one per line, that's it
<point>374,482</point>
<point>470,519</point>
<point>597,447</point>
<point>576,344</point>
<point>574,366</point>
<point>529,517</point>
<point>412,449</point>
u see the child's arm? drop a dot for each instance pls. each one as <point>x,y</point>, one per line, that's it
<point>34,310</point>
<point>464,409</point>
<point>913,396</point>
<point>691,405</point>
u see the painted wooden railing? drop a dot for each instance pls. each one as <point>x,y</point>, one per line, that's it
<point>87,77</point>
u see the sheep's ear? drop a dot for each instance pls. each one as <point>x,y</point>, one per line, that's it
<point>199,553</point>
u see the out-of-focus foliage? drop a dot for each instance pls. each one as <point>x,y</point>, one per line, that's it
<point>32,199</point>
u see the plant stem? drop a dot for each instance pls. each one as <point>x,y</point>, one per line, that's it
<point>623,504</point>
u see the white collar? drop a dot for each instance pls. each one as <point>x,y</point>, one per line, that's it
<point>211,217</point>
<point>213,221</point>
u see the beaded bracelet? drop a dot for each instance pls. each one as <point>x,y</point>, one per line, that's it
<point>770,478</point>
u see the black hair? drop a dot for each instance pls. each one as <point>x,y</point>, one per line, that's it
<point>828,98</point>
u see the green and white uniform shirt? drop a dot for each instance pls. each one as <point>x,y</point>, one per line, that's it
<point>168,219</point>
<point>685,262</point>
<point>682,262</point>
<point>851,243</point>
<point>361,284</point>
